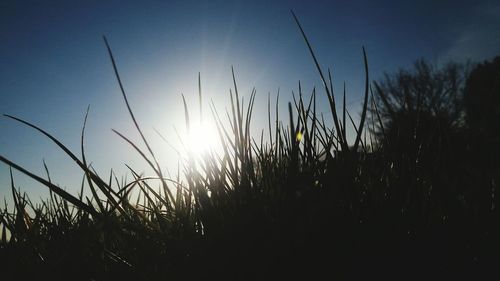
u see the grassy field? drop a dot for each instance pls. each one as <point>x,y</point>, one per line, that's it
<point>300,202</point>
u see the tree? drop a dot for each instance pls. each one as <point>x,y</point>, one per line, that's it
<point>420,111</point>
<point>408,98</point>
<point>420,131</point>
<point>482,105</point>
<point>482,100</point>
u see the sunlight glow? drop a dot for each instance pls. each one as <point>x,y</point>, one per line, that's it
<point>202,138</point>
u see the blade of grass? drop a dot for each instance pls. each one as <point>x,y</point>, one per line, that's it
<point>91,185</point>
<point>157,169</point>
<point>59,191</point>
<point>365,103</point>
<point>330,96</point>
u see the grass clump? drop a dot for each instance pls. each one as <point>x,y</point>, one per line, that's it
<point>303,203</point>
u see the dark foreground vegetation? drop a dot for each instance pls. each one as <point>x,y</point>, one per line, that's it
<point>415,194</point>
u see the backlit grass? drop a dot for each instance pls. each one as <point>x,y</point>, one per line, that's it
<point>299,202</point>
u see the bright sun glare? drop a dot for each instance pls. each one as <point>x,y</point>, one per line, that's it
<point>202,138</point>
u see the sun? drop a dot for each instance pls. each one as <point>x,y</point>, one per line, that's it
<point>202,138</point>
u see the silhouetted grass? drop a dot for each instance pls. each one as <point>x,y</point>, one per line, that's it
<point>302,203</point>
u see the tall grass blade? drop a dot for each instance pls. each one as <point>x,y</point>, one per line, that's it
<point>365,103</point>
<point>331,98</point>
<point>59,191</point>
<point>170,196</point>
<point>91,185</point>
<point>186,115</point>
<point>199,98</point>
<point>157,169</point>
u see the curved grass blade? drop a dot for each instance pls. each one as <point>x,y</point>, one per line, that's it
<point>331,98</point>
<point>94,177</point>
<point>365,103</point>
<point>157,169</point>
<point>91,185</point>
<point>99,182</point>
<point>59,191</point>
<point>171,197</point>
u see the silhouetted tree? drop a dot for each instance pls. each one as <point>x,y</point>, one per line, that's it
<point>420,119</point>
<point>482,105</point>
<point>406,98</point>
<point>420,111</point>
<point>482,100</point>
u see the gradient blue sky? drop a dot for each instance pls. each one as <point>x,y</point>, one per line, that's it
<point>53,63</point>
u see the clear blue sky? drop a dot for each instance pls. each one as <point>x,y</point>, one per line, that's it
<point>53,63</point>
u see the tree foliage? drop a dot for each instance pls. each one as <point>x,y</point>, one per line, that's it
<point>482,99</point>
<point>426,93</point>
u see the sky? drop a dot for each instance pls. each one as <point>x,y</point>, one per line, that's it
<point>53,64</point>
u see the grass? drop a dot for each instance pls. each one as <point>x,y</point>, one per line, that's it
<point>302,203</point>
